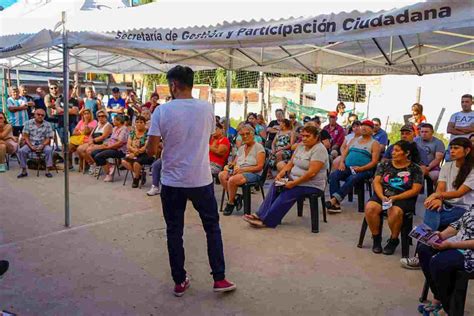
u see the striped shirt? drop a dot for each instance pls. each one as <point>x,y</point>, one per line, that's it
<point>18,118</point>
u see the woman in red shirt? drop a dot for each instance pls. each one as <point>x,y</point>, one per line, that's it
<point>219,149</point>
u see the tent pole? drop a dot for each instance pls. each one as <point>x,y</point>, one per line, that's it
<point>67,215</point>
<point>227,100</point>
<point>17,77</point>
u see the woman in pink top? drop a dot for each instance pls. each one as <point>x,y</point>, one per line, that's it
<point>81,135</point>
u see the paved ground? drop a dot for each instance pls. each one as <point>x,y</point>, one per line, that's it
<point>113,261</point>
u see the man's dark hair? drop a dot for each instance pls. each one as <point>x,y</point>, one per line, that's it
<point>376,119</point>
<point>469,96</point>
<point>427,125</point>
<point>181,74</point>
<point>316,119</point>
<point>279,110</point>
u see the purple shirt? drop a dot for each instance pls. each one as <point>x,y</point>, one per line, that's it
<point>119,134</point>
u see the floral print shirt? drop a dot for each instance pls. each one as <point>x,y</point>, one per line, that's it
<point>465,228</point>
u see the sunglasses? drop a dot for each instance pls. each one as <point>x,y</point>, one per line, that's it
<point>53,88</point>
<point>40,115</point>
<point>101,116</point>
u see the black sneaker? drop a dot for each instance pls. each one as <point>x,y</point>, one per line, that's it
<point>229,208</point>
<point>390,247</point>
<point>135,183</point>
<point>377,246</point>
<point>3,267</point>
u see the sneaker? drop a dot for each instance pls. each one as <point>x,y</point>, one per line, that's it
<point>224,286</point>
<point>377,246</point>
<point>179,289</point>
<point>108,178</point>
<point>92,169</point>
<point>229,208</point>
<point>3,167</point>
<point>22,175</point>
<point>4,266</point>
<point>332,208</point>
<point>410,263</point>
<point>390,247</point>
<point>155,190</point>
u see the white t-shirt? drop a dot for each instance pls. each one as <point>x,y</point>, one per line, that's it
<point>301,160</point>
<point>448,174</point>
<point>251,159</point>
<point>185,126</point>
<point>462,119</point>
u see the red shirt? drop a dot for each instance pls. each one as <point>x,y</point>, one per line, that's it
<point>220,160</point>
<point>337,134</point>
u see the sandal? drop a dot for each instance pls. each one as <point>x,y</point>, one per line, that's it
<point>256,223</point>
<point>251,216</point>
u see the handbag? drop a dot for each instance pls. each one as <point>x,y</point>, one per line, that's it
<point>77,140</point>
<point>94,135</point>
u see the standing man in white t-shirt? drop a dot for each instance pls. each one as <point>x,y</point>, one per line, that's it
<point>461,124</point>
<point>186,174</point>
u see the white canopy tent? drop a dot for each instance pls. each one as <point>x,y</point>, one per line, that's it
<point>301,37</point>
<point>291,37</point>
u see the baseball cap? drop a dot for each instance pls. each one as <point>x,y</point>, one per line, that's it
<point>367,123</point>
<point>407,127</point>
<point>306,119</point>
<point>332,114</point>
<point>115,90</point>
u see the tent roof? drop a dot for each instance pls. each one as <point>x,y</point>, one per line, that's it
<point>115,40</point>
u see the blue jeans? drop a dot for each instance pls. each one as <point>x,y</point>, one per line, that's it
<point>156,172</point>
<point>173,202</point>
<point>349,179</point>
<point>439,269</point>
<point>442,218</point>
<point>275,206</point>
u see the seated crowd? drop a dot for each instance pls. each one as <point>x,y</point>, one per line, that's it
<point>304,157</point>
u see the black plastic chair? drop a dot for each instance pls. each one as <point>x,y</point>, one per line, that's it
<point>407,226</point>
<point>458,299</point>
<point>142,172</point>
<point>314,209</point>
<point>247,189</point>
<point>40,159</point>
<point>359,189</point>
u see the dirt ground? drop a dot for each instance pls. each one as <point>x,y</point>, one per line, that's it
<point>113,260</point>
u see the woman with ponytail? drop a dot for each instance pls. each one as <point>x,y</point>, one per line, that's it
<point>450,209</point>
<point>397,184</point>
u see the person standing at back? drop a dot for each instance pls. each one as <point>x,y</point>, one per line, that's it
<point>461,124</point>
<point>18,109</point>
<point>186,174</point>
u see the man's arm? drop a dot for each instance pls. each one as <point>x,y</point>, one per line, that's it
<point>453,130</point>
<point>153,145</point>
<point>13,108</point>
<point>435,163</point>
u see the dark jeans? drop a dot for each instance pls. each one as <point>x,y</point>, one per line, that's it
<point>174,201</point>
<point>349,179</point>
<point>440,270</point>
<point>276,205</point>
<point>17,130</point>
<point>100,156</point>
